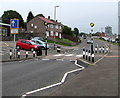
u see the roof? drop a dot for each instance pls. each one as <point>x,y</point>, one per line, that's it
<point>45,20</point>
<point>4,24</point>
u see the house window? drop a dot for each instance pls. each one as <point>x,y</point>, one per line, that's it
<point>51,26</point>
<point>35,27</point>
<point>31,25</point>
<point>60,27</point>
<point>60,35</point>
<point>31,31</point>
<point>47,33</point>
<point>56,33</point>
<point>51,33</point>
<point>56,26</point>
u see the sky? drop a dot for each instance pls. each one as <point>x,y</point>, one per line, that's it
<point>73,13</point>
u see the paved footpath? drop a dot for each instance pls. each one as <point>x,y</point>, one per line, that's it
<point>100,79</point>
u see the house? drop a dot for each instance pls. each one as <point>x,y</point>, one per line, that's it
<point>101,34</point>
<point>36,27</point>
<point>4,29</point>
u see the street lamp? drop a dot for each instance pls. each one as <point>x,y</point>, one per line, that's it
<point>54,20</point>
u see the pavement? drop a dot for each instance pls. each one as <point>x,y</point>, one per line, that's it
<point>100,79</point>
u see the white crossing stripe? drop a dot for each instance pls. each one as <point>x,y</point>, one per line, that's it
<point>79,55</point>
<point>69,55</point>
<point>59,55</point>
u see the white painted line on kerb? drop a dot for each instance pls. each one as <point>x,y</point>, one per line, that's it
<point>53,85</point>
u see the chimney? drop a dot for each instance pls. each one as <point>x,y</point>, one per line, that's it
<point>48,17</point>
<point>56,20</point>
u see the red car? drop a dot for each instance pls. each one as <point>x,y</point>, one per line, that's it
<point>27,45</point>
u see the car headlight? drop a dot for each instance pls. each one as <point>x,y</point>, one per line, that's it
<point>35,46</point>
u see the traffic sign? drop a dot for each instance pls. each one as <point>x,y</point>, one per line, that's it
<point>14,23</point>
<point>14,26</point>
<point>91,24</point>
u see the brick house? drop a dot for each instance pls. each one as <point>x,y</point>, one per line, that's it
<point>101,34</point>
<point>36,27</point>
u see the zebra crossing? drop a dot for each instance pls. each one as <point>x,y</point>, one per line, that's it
<point>68,55</point>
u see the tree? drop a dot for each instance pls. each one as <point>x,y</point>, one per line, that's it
<point>76,32</point>
<point>10,14</point>
<point>67,30</point>
<point>41,15</point>
<point>30,16</point>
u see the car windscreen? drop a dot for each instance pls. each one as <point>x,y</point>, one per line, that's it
<point>33,43</point>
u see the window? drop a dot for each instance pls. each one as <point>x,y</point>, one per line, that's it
<point>56,26</point>
<point>51,33</point>
<point>31,25</point>
<point>51,26</point>
<point>60,35</point>
<point>56,33</point>
<point>35,27</point>
<point>47,33</point>
<point>60,27</point>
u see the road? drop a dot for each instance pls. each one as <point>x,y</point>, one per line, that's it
<point>23,76</point>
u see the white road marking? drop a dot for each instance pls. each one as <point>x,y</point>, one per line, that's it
<point>69,55</point>
<point>45,59</point>
<point>59,55</point>
<point>79,55</point>
<point>59,83</point>
<point>59,59</point>
<point>100,59</point>
<point>76,49</point>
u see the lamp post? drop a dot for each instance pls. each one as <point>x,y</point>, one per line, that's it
<point>54,20</point>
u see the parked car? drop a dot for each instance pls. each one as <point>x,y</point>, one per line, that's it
<point>89,41</point>
<point>41,43</point>
<point>27,45</point>
<point>38,38</point>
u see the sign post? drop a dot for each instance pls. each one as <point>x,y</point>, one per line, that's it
<point>92,25</point>
<point>14,26</point>
<point>46,24</point>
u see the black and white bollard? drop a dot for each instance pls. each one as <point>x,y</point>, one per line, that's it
<point>10,53</point>
<point>95,49</point>
<point>86,54</point>
<point>26,54</point>
<point>18,53</point>
<point>89,53</point>
<point>34,53</point>
<point>93,57</point>
<point>107,49</point>
<point>100,49</point>
<point>83,53</point>
<point>103,49</point>
<point>58,49</point>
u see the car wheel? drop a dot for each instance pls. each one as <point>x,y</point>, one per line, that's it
<point>17,47</point>
<point>32,49</point>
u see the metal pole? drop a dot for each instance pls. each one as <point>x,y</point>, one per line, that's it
<point>54,20</point>
<point>91,39</point>
<point>46,42</point>
<point>14,46</point>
